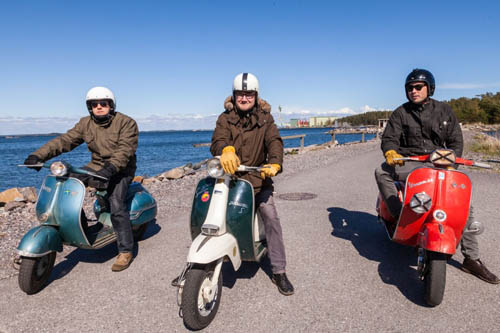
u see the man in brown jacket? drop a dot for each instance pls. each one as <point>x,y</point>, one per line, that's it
<point>246,134</point>
<point>112,139</point>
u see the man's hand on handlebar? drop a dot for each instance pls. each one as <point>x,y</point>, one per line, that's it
<point>269,170</point>
<point>390,158</point>
<point>33,160</point>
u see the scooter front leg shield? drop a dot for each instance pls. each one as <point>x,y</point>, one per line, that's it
<point>39,241</point>
<point>207,249</point>
<point>438,238</point>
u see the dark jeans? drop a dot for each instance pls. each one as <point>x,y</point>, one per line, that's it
<point>386,175</point>
<point>266,209</point>
<point>120,217</point>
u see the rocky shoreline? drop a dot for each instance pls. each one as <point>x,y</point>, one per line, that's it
<point>173,193</point>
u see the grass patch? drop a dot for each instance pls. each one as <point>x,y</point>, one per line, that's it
<point>486,144</point>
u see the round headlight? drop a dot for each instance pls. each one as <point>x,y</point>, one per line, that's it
<point>214,168</point>
<point>58,169</point>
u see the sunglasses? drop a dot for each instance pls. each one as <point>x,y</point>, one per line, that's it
<point>418,87</point>
<point>248,94</point>
<point>104,104</point>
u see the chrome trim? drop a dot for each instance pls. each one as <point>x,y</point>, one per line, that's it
<point>32,255</point>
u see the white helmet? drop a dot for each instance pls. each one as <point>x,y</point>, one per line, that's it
<point>99,93</point>
<point>246,82</point>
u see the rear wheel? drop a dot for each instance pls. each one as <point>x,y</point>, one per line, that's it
<point>200,302</point>
<point>435,278</point>
<point>34,272</point>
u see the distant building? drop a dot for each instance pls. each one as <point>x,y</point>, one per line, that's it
<point>299,123</point>
<point>321,121</point>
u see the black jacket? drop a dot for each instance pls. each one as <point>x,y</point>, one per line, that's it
<point>419,129</point>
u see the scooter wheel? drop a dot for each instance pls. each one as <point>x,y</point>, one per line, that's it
<point>197,311</point>
<point>34,272</point>
<point>435,278</point>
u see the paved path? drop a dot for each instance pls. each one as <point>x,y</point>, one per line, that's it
<point>348,276</point>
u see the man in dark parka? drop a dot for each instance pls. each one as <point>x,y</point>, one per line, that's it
<point>246,134</point>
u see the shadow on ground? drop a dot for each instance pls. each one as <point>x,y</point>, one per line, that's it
<point>397,263</point>
<point>96,256</point>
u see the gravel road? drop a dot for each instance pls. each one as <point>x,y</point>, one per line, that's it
<point>348,276</point>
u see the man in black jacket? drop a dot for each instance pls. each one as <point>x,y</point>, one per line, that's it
<point>417,128</point>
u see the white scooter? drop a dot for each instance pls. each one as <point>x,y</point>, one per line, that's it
<point>224,227</point>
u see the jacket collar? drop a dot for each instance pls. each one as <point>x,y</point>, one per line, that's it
<point>256,114</point>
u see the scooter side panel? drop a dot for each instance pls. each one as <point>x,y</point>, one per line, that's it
<point>207,249</point>
<point>39,241</point>
<point>67,211</point>
<point>419,180</point>
<point>201,202</point>
<point>240,215</point>
<point>141,204</point>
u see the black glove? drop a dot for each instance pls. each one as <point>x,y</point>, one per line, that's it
<point>32,160</point>
<point>108,171</point>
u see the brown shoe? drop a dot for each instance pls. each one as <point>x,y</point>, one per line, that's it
<point>477,268</point>
<point>122,261</point>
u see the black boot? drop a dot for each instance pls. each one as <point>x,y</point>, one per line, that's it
<point>284,285</point>
<point>477,268</point>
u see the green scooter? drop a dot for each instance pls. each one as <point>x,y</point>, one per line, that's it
<point>59,211</point>
<point>224,227</point>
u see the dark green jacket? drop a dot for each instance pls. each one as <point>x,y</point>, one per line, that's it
<point>114,141</point>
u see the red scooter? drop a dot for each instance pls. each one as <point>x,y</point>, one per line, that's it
<point>436,202</point>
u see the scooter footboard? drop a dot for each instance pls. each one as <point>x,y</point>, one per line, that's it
<point>39,241</point>
<point>207,249</point>
<point>438,238</point>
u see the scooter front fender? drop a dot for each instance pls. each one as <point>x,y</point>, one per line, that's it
<point>39,241</point>
<point>207,249</point>
<point>438,238</point>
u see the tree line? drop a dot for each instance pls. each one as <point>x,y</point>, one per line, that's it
<point>483,108</point>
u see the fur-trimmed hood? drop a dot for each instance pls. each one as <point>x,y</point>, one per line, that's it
<point>262,104</point>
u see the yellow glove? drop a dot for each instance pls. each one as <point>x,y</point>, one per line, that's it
<point>390,155</point>
<point>449,167</point>
<point>229,160</point>
<point>270,170</point>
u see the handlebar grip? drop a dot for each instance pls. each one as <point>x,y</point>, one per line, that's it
<point>482,165</point>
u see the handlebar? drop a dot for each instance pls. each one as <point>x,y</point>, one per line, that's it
<point>70,169</point>
<point>459,160</point>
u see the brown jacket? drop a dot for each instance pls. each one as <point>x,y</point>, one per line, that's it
<point>114,141</point>
<point>255,138</point>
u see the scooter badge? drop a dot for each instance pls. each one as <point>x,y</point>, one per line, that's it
<point>205,196</point>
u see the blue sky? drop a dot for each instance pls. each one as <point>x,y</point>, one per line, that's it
<point>171,63</point>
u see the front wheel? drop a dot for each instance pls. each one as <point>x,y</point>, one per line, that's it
<point>435,278</point>
<point>34,272</point>
<point>200,302</point>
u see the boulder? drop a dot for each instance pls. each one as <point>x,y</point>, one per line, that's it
<point>13,205</point>
<point>148,181</point>
<point>29,194</point>
<point>175,173</point>
<point>12,194</point>
<point>138,179</point>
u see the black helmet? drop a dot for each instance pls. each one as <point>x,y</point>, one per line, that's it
<point>422,75</point>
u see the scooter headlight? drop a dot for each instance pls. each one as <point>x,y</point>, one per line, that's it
<point>214,168</point>
<point>420,203</point>
<point>209,229</point>
<point>59,169</point>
